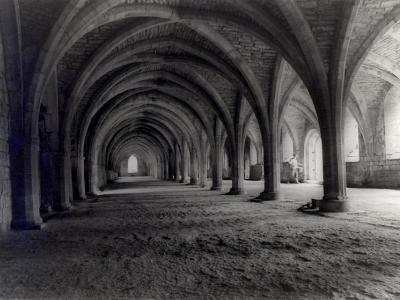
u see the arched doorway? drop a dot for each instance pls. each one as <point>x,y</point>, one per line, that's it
<point>392,124</point>
<point>313,161</point>
<point>287,145</point>
<point>351,142</point>
<point>132,165</point>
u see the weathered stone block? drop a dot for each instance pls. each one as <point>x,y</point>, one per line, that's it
<point>256,172</point>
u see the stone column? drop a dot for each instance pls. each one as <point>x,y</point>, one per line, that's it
<point>46,182</point>
<point>237,170</point>
<point>217,168</point>
<point>26,202</point>
<point>176,173</point>
<point>60,162</point>
<point>62,201</point>
<point>194,167</point>
<point>237,144</point>
<point>23,142</point>
<point>124,167</point>
<point>203,161</point>
<point>166,167</point>
<point>185,157</point>
<point>158,168</point>
<point>161,174</point>
<point>81,177</point>
<point>93,176</point>
<point>49,145</point>
<point>217,158</point>
<point>331,114</point>
<point>171,165</point>
<point>335,197</point>
<point>272,167</point>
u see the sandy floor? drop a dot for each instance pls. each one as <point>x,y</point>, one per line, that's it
<point>151,239</point>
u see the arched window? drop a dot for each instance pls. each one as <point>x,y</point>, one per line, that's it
<point>132,164</point>
<point>392,123</point>
<point>351,142</point>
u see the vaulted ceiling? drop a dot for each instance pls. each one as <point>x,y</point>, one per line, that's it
<point>156,71</point>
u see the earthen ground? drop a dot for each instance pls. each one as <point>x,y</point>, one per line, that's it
<point>149,239</point>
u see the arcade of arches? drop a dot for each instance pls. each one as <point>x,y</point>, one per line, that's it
<point>195,92</point>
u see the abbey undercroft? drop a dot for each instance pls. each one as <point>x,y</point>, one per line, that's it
<point>187,149</point>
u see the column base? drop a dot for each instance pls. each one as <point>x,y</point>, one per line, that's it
<point>61,208</point>
<point>216,188</point>
<point>236,191</point>
<point>45,209</point>
<point>270,196</point>
<point>27,225</point>
<point>90,197</point>
<point>80,199</point>
<point>4,227</point>
<point>330,205</point>
<point>93,194</point>
<point>202,185</point>
<point>193,182</point>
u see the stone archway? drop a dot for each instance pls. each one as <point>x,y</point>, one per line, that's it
<point>313,161</point>
<point>133,165</point>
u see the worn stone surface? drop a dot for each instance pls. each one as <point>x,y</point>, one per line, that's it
<point>165,240</point>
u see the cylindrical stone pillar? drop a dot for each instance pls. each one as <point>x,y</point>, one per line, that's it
<point>238,168</point>
<point>194,168</point>
<point>217,167</point>
<point>176,173</point>
<point>184,161</point>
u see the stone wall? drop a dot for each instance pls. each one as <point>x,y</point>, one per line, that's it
<point>5,186</point>
<point>375,172</point>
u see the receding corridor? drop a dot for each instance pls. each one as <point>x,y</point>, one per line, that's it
<point>145,238</point>
<point>213,149</point>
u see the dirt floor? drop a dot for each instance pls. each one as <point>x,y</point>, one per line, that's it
<point>149,239</point>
